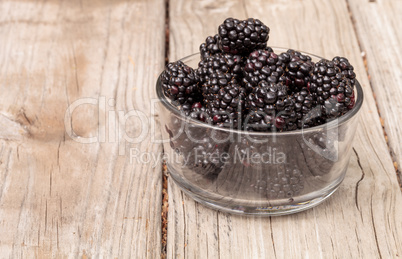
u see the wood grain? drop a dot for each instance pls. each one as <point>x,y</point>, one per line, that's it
<point>361,219</point>
<point>378,25</point>
<point>60,197</point>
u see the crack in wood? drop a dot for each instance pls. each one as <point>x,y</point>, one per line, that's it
<point>46,217</point>
<point>12,129</point>
<point>75,69</point>
<point>374,228</point>
<point>272,236</point>
<point>358,182</point>
<point>184,225</point>
<point>6,174</point>
<point>25,116</point>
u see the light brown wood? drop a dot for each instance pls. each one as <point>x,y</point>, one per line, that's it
<point>378,26</point>
<point>59,197</point>
<point>361,220</point>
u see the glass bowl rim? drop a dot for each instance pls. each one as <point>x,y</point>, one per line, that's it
<point>332,124</point>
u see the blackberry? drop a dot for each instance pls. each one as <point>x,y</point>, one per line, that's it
<point>317,154</point>
<point>333,87</point>
<point>207,154</point>
<point>180,83</point>
<point>264,65</point>
<point>286,117</point>
<point>199,155</point>
<point>346,68</point>
<point>209,47</point>
<point>179,141</point>
<point>242,37</point>
<point>304,108</point>
<point>219,62</point>
<point>298,69</point>
<point>270,108</point>
<point>196,111</point>
<point>224,99</point>
<point>265,96</point>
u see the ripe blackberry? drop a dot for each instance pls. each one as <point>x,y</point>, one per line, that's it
<point>298,69</point>
<point>180,83</point>
<point>265,96</point>
<point>205,162</point>
<point>286,117</point>
<point>201,154</point>
<point>196,111</point>
<point>209,47</point>
<point>242,37</point>
<point>346,68</point>
<point>224,98</point>
<point>270,108</point>
<point>219,62</point>
<point>207,154</point>
<point>317,153</point>
<point>264,65</point>
<point>304,108</point>
<point>333,87</point>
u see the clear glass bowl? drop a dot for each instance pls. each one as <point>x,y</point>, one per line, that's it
<point>256,173</point>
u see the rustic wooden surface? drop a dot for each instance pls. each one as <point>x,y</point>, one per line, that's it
<point>61,198</point>
<point>58,197</point>
<point>361,220</point>
<point>378,28</point>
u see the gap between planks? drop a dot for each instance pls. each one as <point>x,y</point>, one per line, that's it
<point>382,121</point>
<point>165,195</point>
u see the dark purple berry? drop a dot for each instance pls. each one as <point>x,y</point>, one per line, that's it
<point>242,36</point>
<point>180,83</point>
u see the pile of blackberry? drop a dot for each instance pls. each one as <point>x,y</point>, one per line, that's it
<point>241,83</point>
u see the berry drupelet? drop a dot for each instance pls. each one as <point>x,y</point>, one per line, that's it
<point>180,83</point>
<point>242,37</point>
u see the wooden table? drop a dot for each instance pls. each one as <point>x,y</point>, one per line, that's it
<point>71,72</point>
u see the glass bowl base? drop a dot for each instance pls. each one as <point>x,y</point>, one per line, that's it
<point>238,208</point>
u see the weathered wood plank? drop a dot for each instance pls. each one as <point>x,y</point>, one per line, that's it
<point>60,197</point>
<point>360,219</point>
<point>378,29</point>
